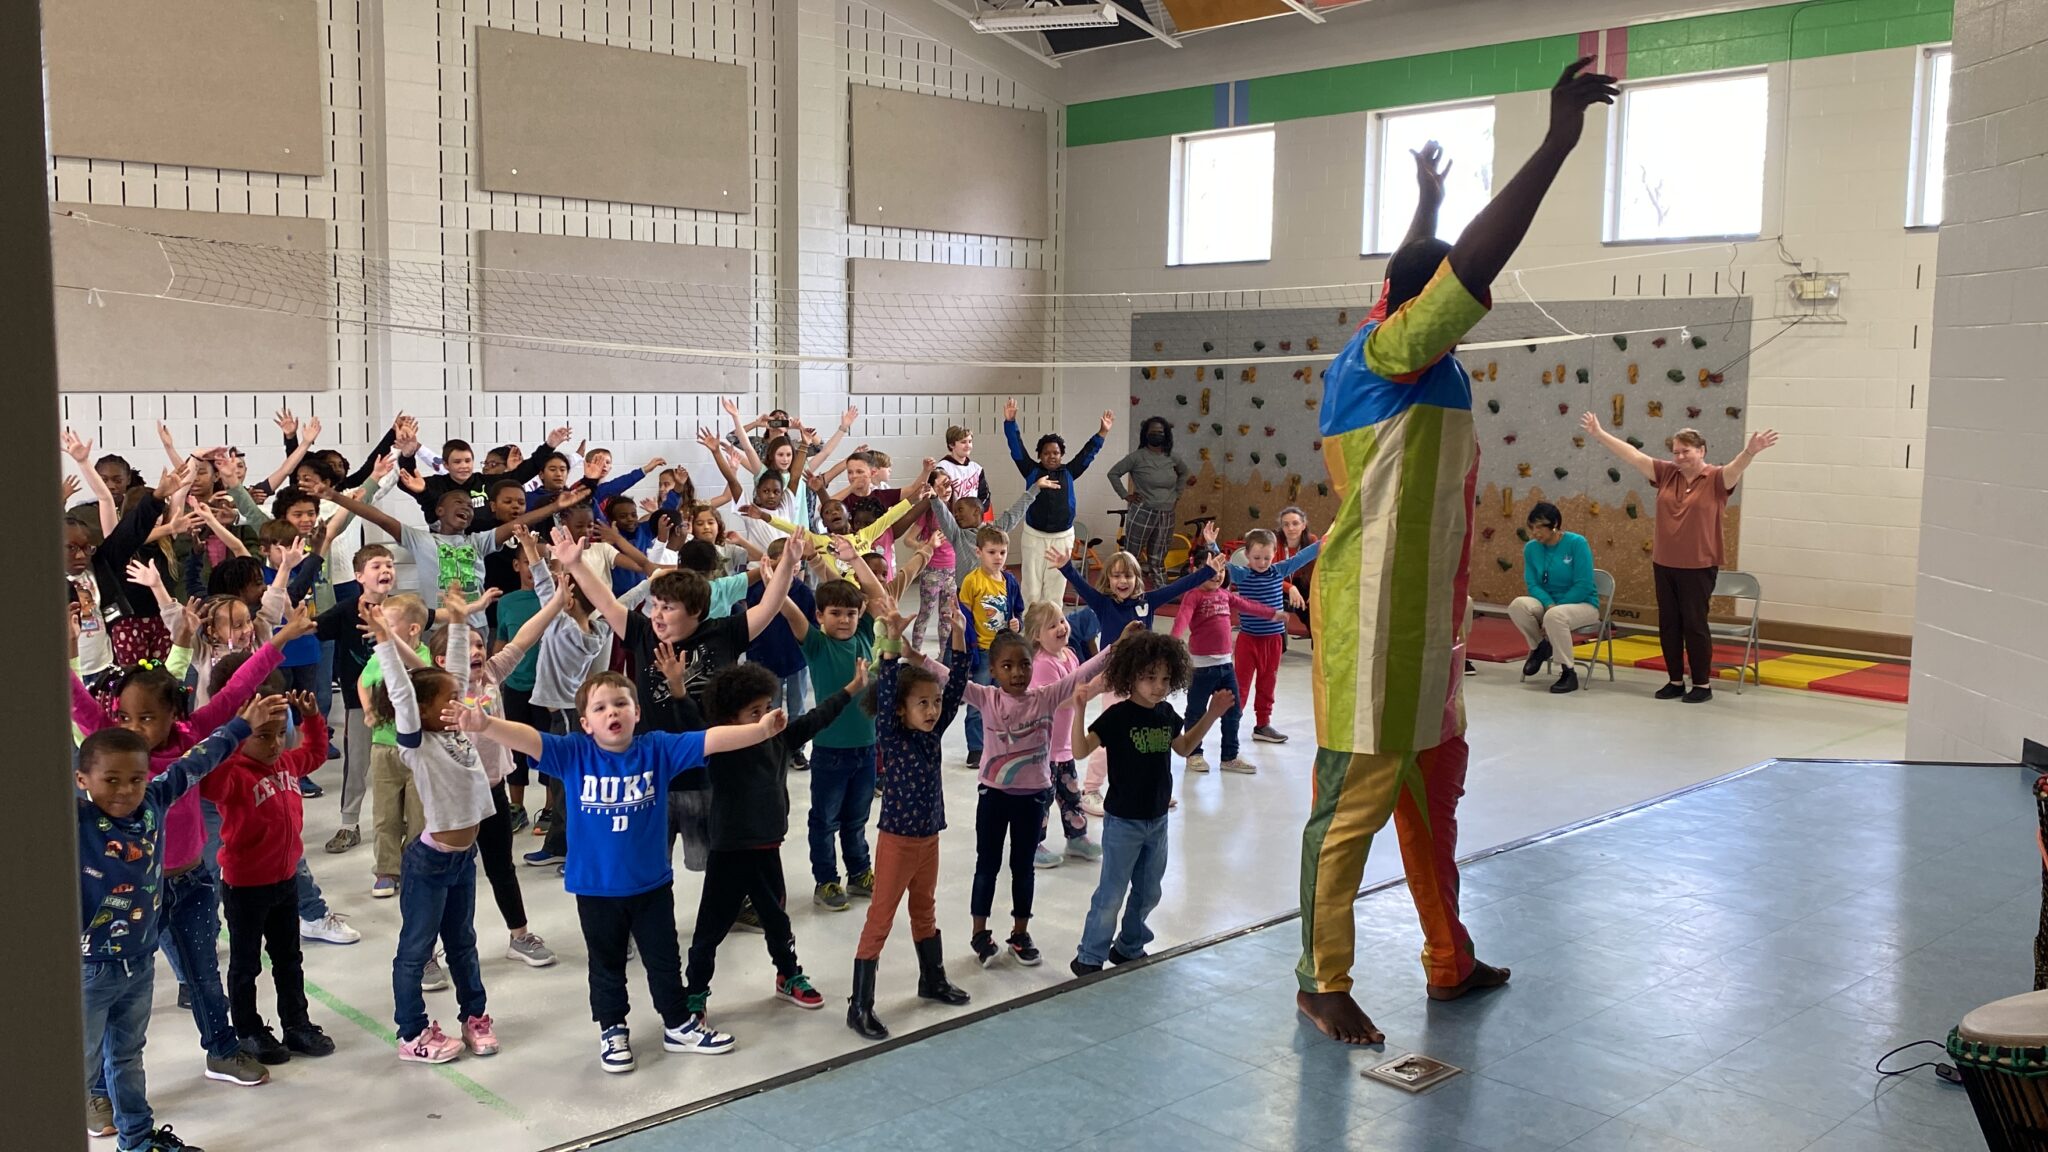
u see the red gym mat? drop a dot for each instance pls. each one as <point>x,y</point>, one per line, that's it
<point>1877,682</point>
<point>1723,654</point>
<point>1494,639</point>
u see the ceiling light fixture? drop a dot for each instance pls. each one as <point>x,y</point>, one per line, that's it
<point>1040,16</point>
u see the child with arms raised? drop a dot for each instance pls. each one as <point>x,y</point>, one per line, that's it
<point>1140,734</point>
<point>1052,659</point>
<point>620,872</point>
<point>1204,621</point>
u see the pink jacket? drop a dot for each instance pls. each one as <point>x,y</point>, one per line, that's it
<point>1047,669</point>
<point>1204,618</point>
<point>184,836</point>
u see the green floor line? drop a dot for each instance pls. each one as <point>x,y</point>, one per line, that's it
<point>375,1027</point>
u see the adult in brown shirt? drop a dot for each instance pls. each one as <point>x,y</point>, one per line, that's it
<point>1685,552</point>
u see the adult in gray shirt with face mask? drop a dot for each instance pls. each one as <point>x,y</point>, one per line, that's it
<point>1151,479</point>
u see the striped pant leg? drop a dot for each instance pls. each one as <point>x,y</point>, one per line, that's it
<point>1355,794</point>
<point>1426,819</point>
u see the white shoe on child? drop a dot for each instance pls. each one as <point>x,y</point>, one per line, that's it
<point>1242,767</point>
<point>615,1049</point>
<point>1091,803</point>
<point>1198,763</point>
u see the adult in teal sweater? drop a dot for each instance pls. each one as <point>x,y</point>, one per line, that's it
<point>1557,566</point>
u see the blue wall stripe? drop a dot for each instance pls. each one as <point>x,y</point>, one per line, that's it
<point>1222,106</point>
<point>1241,103</point>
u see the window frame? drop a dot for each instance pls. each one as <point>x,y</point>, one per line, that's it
<point>1376,160</point>
<point>1923,129</point>
<point>1177,189</point>
<point>1617,134</point>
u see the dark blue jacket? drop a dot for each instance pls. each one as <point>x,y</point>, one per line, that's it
<point>1052,510</point>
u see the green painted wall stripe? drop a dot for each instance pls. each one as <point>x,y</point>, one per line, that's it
<point>1667,48</point>
<point>1137,117</point>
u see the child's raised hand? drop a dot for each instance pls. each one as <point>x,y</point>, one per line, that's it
<point>297,622</point>
<point>1049,482</point>
<point>1056,557</point>
<point>77,449</point>
<point>730,408</point>
<point>567,547</point>
<point>262,710</point>
<point>286,422</point>
<point>145,574</point>
<point>411,481</point>
<point>1133,628</point>
<point>654,464</point>
<point>775,721</point>
<point>312,431</point>
<point>188,616</point>
<point>859,683</point>
<point>67,488</point>
<point>469,718</point>
<point>843,547</point>
<point>560,436</point>
<point>1218,565</point>
<point>176,478</point>
<point>1221,700</point>
<point>374,625</point>
<point>672,667</point>
<point>1088,690</point>
<point>303,705</point>
<point>1010,410</point>
<point>571,497</point>
<point>709,440</point>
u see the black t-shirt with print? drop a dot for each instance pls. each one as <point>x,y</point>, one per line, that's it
<point>1139,743</point>
<point>715,646</point>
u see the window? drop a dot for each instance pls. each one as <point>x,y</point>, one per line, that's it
<point>1688,158</point>
<point>1466,133</point>
<point>1930,140</point>
<point>1222,197</point>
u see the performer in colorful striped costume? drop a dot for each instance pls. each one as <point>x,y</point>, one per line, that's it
<point>1389,592</point>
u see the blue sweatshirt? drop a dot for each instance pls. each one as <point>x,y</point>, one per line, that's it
<point>120,860</point>
<point>1052,509</point>
<point>1112,616</point>
<point>1269,588</point>
<point>618,807</point>
<point>1560,573</point>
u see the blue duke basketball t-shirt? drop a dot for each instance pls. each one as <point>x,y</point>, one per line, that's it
<point>618,807</point>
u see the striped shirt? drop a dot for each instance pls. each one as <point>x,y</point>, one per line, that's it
<point>1389,595</point>
<point>1269,588</point>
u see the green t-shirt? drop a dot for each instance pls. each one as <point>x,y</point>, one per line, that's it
<point>514,610</point>
<point>385,733</point>
<point>831,664</point>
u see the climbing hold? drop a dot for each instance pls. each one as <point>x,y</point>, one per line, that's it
<point>1560,373</point>
<point>1254,511</point>
<point>1323,375</point>
<point>1507,503</point>
<point>1147,373</point>
<point>1258,345</point>
<point>1169,373</point>
<point>1502,563</point>
<point>1216,428</point>
<point>1258,401</point>
<point>1301,373</point>
<point>1208,347</point>
<point>1251,375</point>
<point>1180,398</point>
<point>1244,429</point>
<point>1311,401</point>
<point>1692,413</point>
<point>1705,377</point>
<point>1585,375</point>
<point>1293,487</point>
<point>1508,439</point>
<point>1244,375</point>
<point>1631,509</point>
<point>1322,488</point>
<point>1268,487</point>
<point>1657,343</point>
<point>1734,413</point>
<point>1614,474</point>
<point>1649,545</point>
<point>1270,429</point>
<point>1635,442</point>
<point>1699,341</point>
<point>1193,427</point>
<point>1205,399</point>
<point>1492,366</point>
<point>1618,404</point>
<point>1522,469</point>
<point>1631,373</point>
<point>1230,457</point>
<point>1715,377</point>
<point>1656,408</point>
<point>1205,455</point>
<point>1218,371</point>
<point>1343,317</point>
<point>1560,472</point>
<point>1522,534</point>
<point>1255,457</point>
<point>1546,375</point>
<point>1315,445</point>
<point>1134,401</point>
<point>1621,342</point>
<point>1315,342</point>
<point>1675,375</point>
<point>1564,409</point>
<point>1287,345</point>
<point>1218,485</point>
<point>1280,458</point>
<point>1192,481</point>
<point>1578,441</point>
<point>1493,406</point>
<point>1486,533</point>
<point>1593,508</point>
<point>1532,347</point>
<point>1159,345</point>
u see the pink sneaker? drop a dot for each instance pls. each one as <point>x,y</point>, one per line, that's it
<point>431,1046</point>
<point>477,1032</point>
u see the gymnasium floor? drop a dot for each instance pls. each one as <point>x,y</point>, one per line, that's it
<point>1717,973</point>
<point>1539,763</point>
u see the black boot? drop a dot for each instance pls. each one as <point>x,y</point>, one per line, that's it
<point>931,974</point>
<point>860,1007</point>
<point>1536,658</point>
<point>1568,682</point>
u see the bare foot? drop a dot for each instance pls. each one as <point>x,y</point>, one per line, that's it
<point>1483,976</point>
<point>1339,1017</point>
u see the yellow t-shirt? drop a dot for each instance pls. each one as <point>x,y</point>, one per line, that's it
<point>987,600</point>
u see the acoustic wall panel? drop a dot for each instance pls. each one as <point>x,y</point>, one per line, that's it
<point>560,117</point>
<point>203,83</point>
<point>108,341</point>
<point>945,165</point>
<point>535,289</point>
<point>903,310</point>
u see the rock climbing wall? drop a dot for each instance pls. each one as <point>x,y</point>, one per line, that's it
<point>1252,435</point>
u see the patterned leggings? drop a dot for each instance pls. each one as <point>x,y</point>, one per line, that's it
<point>1067,790</point>
<point>934,599</point>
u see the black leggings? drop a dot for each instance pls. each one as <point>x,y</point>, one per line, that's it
<point>264,917</point>
<point>518,708</point>
<point>494,849</point>
<point>1683,595</point>
<point>731,879</point>
<point>1021,817</point>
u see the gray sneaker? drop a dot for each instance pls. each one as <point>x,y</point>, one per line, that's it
<point>861,883</point>
<point>830,896</point>
<point>99,1117</point>
<point>1267,734</point>
<point>344,840</point>
<point>237,1068</point>
<point>432,978</point>
<point>532,949</point>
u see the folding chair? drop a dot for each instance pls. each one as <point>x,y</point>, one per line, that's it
<point>1741,586</point>
<point>1601,633</point>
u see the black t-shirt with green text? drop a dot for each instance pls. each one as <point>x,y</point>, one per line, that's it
<point>1139,743</point>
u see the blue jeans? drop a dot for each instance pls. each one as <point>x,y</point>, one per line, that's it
<point>842,792</point>
<point>117,996</point>
<point>795,694</point>
<point>188,929</point>
<point>980,675</point>
<point>436,898</point>
<point>312,905</point>
<point>1205,683</point>
<point>1133,859</point>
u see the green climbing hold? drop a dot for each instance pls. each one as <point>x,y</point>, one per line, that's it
<point>1614,474</point>
<point>1219,373</point>
<point>1585,376</point>
<point>1280,458</point>
<point>1255,460</point>
<point>1631,509</point>
<point>1502,562</point>
<point>1181,399</point>
<point>1258,401</point>
<point>1522,534</point>
<point>1621,342</point>
<point>1258,346</point>
<point>1216,428</point>
<point>1254,511</point>
<point>1493,406</point>
<point>1676,376</point>
<point>1322,488</point>
<point>1560,472</point>
<point>1635,442</point>
<point>1699,341</point>
<point>1208,347</point>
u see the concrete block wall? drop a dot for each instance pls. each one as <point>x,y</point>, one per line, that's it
<point>1980,667</point>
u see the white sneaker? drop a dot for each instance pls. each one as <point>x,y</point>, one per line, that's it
<point>1091,803</point>
<point>697,1039</point>
<point>1243,767</point>
<point>615,1049</point>
<point>329,929</point>
<point>433,977</point>
<point>531,949</point>
<point>1198,763</point>
<point>1046,858</point>
<point>1084,848</point>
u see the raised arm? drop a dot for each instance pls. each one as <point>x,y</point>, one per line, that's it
<point>1085,742</point>
<point>1012,516</point>
<point>1429,180</point>
<point>745,445</point>
<point>1190,741</point>
<point>369,513</point>
<point>1732,471</point>
<point>520,738</point>
<point>80,452</point>
<point>1086,455</point>
<point>1015,438</point>
<point>1633,456</point>
<point>847,419</point>
<point>1160,597</point>
<point>776,591</point>
<point>568,555</point>
<point>732,737</point>
<point>295,450</point>
<point>716,447</point>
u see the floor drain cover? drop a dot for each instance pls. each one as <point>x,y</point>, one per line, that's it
<point>1412,1073</point>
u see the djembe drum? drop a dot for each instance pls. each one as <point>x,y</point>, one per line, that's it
<point>2001,1050</point>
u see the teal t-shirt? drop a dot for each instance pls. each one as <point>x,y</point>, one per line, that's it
<point>831,664</point>
<point>514,610</point>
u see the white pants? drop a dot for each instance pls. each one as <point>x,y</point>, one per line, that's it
<point>1037,579</point>
<point>1556,624</point>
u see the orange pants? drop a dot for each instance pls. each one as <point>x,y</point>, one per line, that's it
<point>902,864</point>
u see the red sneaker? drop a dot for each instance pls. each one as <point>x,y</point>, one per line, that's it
<point>798,991</point>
